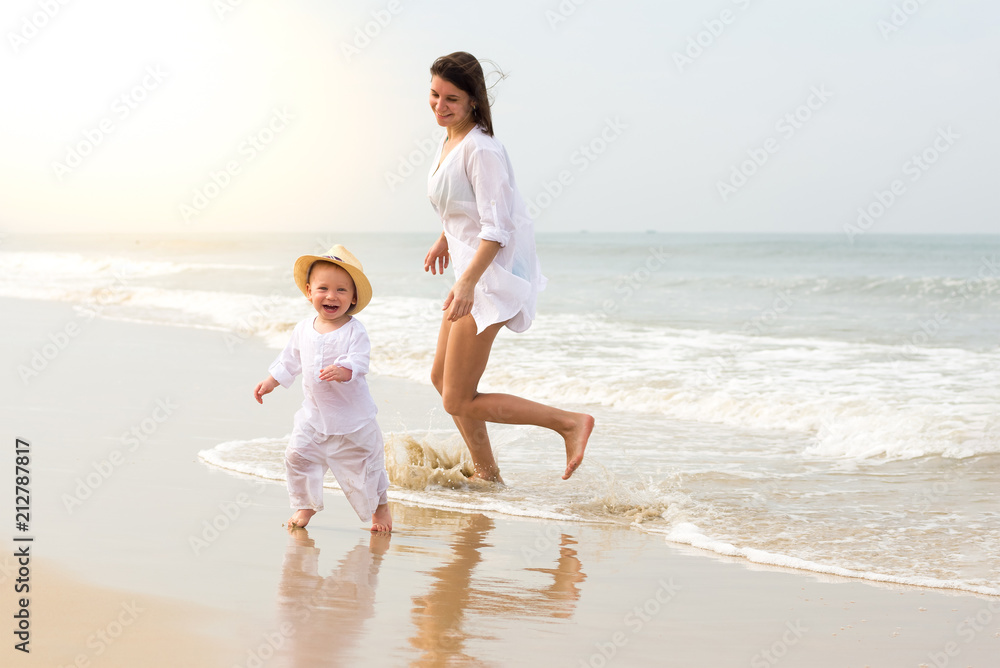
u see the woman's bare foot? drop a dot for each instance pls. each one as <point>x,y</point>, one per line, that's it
<point>576,442</point>
<point>487,476</point>
<point>382,518</point>
<point>301,517</point>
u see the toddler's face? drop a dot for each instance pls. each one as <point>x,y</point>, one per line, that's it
<point>331,291</point>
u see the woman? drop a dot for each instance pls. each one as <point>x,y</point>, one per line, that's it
<point>490,238</point>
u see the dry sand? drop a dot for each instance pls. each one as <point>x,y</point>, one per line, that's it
<point>140,561</point>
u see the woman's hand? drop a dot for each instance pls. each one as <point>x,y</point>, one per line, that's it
<point>459,301</point>
<point>437,258</point>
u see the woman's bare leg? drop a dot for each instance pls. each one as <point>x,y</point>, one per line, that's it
<point>473,432</point>
<point>464,360</point>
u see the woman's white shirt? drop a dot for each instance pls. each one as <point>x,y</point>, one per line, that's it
<point>474,192</point>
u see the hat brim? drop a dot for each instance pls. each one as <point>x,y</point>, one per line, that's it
<point>362,286</point>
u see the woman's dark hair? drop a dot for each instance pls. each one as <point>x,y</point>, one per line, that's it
<point>463,70</point>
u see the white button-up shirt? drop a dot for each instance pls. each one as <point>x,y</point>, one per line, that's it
<point>477,198</point>
<point>329,407</point>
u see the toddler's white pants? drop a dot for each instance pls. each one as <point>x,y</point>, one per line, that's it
<point>357,461</point>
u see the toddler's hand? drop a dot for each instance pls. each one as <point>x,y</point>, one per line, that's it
<point>336,373</point>
<point>264,387</point>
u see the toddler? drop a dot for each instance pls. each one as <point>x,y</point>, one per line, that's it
<point>336,427</point>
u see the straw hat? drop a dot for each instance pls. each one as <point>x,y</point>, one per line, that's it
<point>341,257</point>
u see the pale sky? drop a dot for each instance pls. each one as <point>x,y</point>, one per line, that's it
<point>218,116</point>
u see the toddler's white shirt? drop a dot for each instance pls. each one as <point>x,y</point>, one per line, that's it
<point>329,407</point>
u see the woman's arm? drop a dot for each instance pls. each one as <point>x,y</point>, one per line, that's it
<point>437,259</point>
<point>459,301</point>
<point>488,174</point>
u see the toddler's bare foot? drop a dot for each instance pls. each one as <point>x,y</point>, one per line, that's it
<point>379,542</point>
<point>576,442</point>
<point>300,536</point>
<point>301,517</point>
<point>382,518</point>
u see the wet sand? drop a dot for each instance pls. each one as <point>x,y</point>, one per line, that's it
<point>184,565</point>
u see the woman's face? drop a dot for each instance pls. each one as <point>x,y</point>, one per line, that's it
<point>451,105</point>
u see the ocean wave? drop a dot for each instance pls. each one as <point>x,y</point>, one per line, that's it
<point>686,533</point>
<point>857,400</point>
<point>863,401</point>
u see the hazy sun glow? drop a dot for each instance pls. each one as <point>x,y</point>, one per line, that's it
<point>240,115</point>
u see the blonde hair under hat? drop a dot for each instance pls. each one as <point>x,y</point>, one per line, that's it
<point>343,258</point>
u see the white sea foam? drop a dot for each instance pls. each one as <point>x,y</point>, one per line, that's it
<point>422,466</point>
<point>689,534</point>
<point>430,468</point>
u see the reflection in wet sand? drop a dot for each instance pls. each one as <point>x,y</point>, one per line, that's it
<point>439,616</point>
<point>327,614</point>
<point>563,593</point>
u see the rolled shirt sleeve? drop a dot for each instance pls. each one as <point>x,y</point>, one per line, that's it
<point>358,353</point>
<point>288,364</point>
<point>490,179</point>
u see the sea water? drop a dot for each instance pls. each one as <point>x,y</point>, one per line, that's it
<point>793,400</point>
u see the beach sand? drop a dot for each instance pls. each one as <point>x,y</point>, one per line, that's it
<point>144,556</point>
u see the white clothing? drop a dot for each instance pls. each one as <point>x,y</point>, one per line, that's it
<point>328,407</point>
<point>357,461</point>
<point>474,192</point>
<point>336,427</point>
